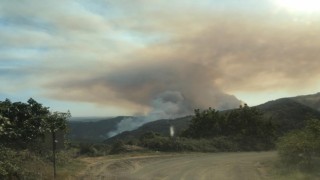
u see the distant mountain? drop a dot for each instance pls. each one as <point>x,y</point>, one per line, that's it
<point>287,113</point>
<point>92,129</point>
<point>89,119</point>
<point>159,126</point>
<point>312,100</point>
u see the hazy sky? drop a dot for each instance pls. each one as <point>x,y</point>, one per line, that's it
<point>126,57</point>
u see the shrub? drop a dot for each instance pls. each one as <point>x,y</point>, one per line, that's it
<point>178,144</point>
<point>90,149</point>
<point>21,165</point>
<point>10,165</point>
<point>301,147</point>
<point>117,147</point>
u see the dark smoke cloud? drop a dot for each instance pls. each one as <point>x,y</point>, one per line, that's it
<point>169,104</point>
<point>157,58</point>
<point>191,52</point>
<point>201,64</point>
<point>167,88</point>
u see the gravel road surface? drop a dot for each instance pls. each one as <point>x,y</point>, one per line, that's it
<point>193,166</point>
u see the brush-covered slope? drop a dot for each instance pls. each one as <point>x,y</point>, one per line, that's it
<point>92,131</point>
<point>312,100</point>
<point>287,113</point>
<point>159,126</point>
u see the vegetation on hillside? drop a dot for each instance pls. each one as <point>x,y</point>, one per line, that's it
<point>241,129</point>
<point>160,126</point>
<point>287,114</point>
<point>28,132</point>
<point>92,132</point>
<point>312,100</point>
<point>245,126</point>
<point>301,148</point>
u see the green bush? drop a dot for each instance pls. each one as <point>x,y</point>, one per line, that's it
<point>301,148</point>
<point>117,147</point>
<point>90,149</point>
<point>243,129</point>
<point>225,144</point>
<point>178,144</point>
<point>10,165</point>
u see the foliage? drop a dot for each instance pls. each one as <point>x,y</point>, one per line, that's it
<point>244,126</point>
<point>56,121</point>
<point>24,127</point>
<point>288,114</point>
<point>207,123</point>
<point>117,147</point>
<point>8,163</point>
<point>5,127</point>
<point>90,149</point>
<point>94,130</point>
<point>301,148</point>
<point>24,122</point>
<point>157,142</point>
<point>21,165</point>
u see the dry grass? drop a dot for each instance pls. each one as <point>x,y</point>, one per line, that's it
<point>285,172</point>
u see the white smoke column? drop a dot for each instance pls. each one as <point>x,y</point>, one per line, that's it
<point>166,105</point>
<point>169,104</point>
<point>127,124</point>
<point>171,131</point>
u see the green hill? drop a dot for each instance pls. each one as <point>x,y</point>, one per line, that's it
<point>312,100</point>
<point>92,131</point>
<point>160,126</point>
<point>287,113</point>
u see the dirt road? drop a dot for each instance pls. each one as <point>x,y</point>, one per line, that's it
<point>195,166</point>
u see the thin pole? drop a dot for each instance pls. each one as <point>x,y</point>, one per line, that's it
<point>54,153</point>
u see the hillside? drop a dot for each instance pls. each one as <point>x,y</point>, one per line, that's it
<point>159,126</point>
<point>92,131</point>
<point>287,113</point>
<point>312,100</point>
<point>88,119</point>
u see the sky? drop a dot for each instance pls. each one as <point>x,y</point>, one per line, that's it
<point>139,57</point>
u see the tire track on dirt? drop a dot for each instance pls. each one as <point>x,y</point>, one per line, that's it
<point>193,166</point>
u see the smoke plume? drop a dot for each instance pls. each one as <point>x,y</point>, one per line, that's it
<point>166,105</point>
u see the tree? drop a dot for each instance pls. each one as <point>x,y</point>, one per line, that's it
<point>55,122</point>
<point>248,125</point>
<point>25,126</point>
<point>245,126</point>
<point>206,123</point>
<point>24,122</point>
<point>5,128</point>
<point>243,121</point>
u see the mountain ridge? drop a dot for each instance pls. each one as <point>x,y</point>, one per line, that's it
<point>288,113</point>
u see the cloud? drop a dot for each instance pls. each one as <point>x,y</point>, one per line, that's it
<point>146,56</point>
<point>144,84</point>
